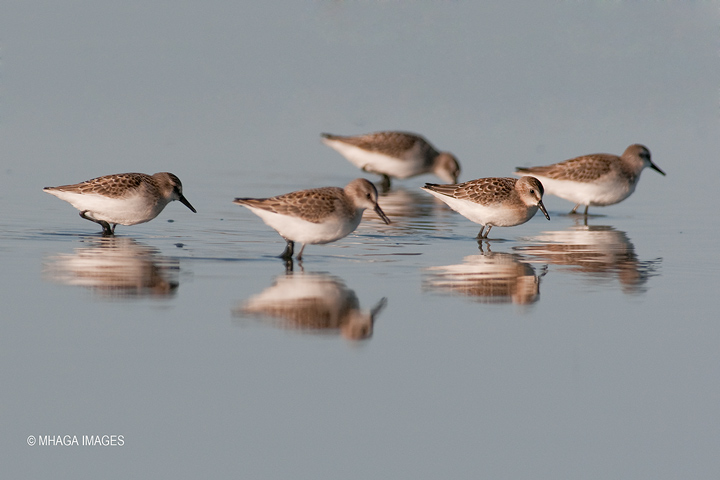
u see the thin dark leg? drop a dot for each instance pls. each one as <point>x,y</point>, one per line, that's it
<point>107,231</point>
<point>82,215</point>
<point>574,210</point>
<point>480,235</point>
<point>299,256</point>
<point>289,249</point>
<point>385,183</point>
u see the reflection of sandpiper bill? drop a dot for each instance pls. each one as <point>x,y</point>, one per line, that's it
<point>314,303</point>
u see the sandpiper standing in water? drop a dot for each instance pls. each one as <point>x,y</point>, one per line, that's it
<point>599,180</point>
<point>395,154</point>
<point>493,202</point>
<point>317,215</point>
<point>123,198</point>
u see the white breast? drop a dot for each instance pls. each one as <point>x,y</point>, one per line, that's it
<point>379,163</point>
<point>299,230</point>
<point>588,193</point>
<point>496,215</point>
<point>129,210</point>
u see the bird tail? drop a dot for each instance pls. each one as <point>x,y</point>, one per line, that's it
<point>438,188</point>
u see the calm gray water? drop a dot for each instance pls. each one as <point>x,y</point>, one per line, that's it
<point>561,349</point>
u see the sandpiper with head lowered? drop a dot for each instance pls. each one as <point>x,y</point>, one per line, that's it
<point>122,198</point>
<point>600,179</point>
<point>395,154</point>
<point>493,202</point>
<point>318,215</point>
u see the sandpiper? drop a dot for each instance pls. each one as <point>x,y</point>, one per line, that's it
<point>493,202</point>
<point>395,154</point>
<point>598,180</point>
<point>123,198</point>
<point>317,215</point>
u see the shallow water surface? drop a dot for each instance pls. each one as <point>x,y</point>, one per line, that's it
<point>408,334</point>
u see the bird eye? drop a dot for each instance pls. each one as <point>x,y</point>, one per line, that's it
<point>532,191</point>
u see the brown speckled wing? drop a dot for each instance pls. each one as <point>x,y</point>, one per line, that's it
<point>312,205</point>
<point>580,169</point>
<point>391,143</point>
<point>486,189</point>
<point>483,190</point>
<point>109,185</point>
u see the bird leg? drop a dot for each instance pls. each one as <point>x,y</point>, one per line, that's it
<point>574,210</point>
<point>385,183</point>
<point>299,255</point>
<point>288,252</point>
<point>480,235</point>
<point>107,231</point>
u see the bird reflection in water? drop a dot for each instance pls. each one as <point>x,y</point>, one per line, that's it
<point>487,278</point>
<point>412,211</point>
<point>313,303</point>
<point>115,267</point>
<point>599,252</point>
<point>409,204</point>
